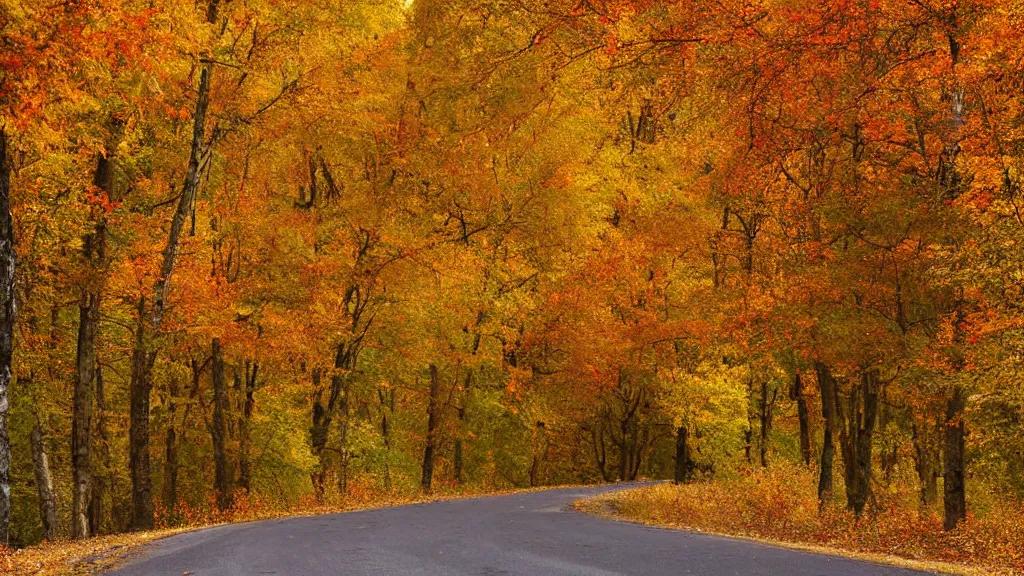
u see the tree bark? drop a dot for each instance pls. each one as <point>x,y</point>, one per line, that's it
<point>457,459</point>
<point>94,255</point>
<point>318,437</point>
<point>952,185</point>
<point>541,446</point>
<point>870,387</point>
<point>534,470</point>
<point>44,483</point>
<point>387,407</point>
<point>342,382</point>
<point>222,471</point>
<point>245,425</point>
<point>624,435</point>
<point>170,494</point>
<point>597,442</point>
<point>7,308</point>
<point>684,461</point>
<point>954,495</point>
<point>765,416</point>
<point>432,422</point>
<point>748,432</point>
<point>926,460</point>
<point>888,453</point>
<point>345,360</point>
<point>81,420</point>
<point>457,456</point>
<point>801,413</point>
<point>102,450</point>
<point>856,435</point>
<point>138,431</point>
<point>827,388</point>
<point>624,454</point>
<point>189,187</point>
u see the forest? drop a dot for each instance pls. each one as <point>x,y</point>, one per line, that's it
<point>283,253</point>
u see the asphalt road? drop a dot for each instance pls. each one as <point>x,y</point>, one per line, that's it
<point>530,534</point>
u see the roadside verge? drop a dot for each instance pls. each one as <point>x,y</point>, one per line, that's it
<point>714,509</point>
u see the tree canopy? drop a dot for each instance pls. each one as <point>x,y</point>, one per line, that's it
<point>287,251</point>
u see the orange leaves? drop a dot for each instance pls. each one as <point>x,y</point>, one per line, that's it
<point>781,505</point>
<point>611,44</point>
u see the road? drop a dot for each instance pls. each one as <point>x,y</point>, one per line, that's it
<point>528,534</point>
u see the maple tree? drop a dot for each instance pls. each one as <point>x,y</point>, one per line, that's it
<point>280,253</point>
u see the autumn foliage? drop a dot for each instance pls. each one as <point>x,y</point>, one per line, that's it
<point>278,255</point>
<point>781,506</point>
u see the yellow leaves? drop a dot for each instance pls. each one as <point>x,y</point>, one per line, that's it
<point>79,557</point>
<point>712,397</point>
<point>516,382</point>
<point>781,505</point>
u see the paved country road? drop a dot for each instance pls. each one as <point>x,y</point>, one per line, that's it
<point>528,534</point>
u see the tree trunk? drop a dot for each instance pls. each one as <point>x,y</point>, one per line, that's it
<point>44,483</point>
<point>801,413</point>
<point>888,453</point>
<point>170,495</point>
<point>93,253</point>
<point>138,431</point>
<point>684,462</point>
<point>856,435</point>
<point>387,406</point>
<point>641,438</point>
<point>222,472</point>
<point>600,451</point>
<point>81,420</point>
<point>630,397</point>
<point>244,426</point>
<point>143,357</point>
<point>345,359</point>
<point>540,447</point>
<point>954,497</point>
<point>748,432</point>
<point>189,187</point>
<point>926,460</point>
<point>318,437</point>
<point>432,422</point>
<point>460,432</point>
<point>827,389</point>
<point>869,382</point>
<point>7,266</point>
<point>623,455</point>
<point>102,450</point>
<point>765,416</point>
<point>457,456</point>
<point>341,381</point>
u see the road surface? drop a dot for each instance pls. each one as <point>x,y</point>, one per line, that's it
<point>529,534</point>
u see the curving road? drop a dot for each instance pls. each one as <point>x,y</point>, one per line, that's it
<point>530,534</point>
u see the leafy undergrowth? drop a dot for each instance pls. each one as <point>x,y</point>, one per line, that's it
<point>775,506</point>
<point>100,554</point>
<point>78,557</point>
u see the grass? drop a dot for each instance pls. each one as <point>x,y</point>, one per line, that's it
<point>772,507</point>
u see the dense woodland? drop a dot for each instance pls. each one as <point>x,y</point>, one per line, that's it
<point>279,252</point>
